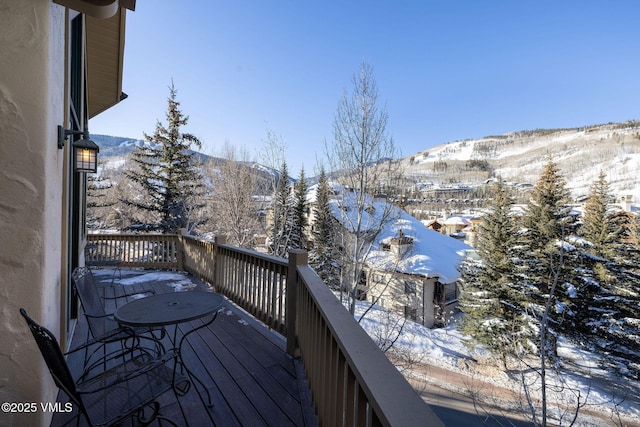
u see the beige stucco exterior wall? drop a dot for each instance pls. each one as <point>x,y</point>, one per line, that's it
<point>390,288</point>
<point>427,303</point>
<point>32,67</point>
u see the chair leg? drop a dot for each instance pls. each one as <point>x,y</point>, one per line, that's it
<point>155,415</point>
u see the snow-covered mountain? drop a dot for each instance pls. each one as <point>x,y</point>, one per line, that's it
<point>115,149</point>
<point>516,157</point>
<point>114,146</point>
<point>519,157</point>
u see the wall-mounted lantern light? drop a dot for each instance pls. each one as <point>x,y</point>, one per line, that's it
<point>85,151</point>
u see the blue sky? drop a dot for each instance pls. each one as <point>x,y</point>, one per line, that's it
<point>446,70</point>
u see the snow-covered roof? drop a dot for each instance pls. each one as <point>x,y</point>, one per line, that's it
<point>431,254</point>
<point>457,220</point>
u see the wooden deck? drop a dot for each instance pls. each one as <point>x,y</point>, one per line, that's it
<point>245,367</point>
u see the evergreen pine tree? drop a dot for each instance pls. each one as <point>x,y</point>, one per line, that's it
<point>282,224</point>
<point>596,224</point>
<point>300,214</point>
<point>324,253</point>
<point>165,171</point>
<point>494,310</point>
<point>614,320</point>
<point>99,202</point>
<point>557,274</point>
<point>610,315</point>
<point>547,211</point>
<point>626,239</point>
<point>543,260</point>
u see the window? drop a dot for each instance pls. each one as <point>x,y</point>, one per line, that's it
<point>410,313</point>
<point>363,278</point>
<point>409,287</point>
<point>76,231</point>
<point>450,292</point>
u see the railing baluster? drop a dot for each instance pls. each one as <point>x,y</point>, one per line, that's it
<point>351,399</point>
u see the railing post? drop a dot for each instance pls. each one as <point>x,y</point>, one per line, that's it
<point>180,249</point>
<point>217,267</point>
<point>296,257</point>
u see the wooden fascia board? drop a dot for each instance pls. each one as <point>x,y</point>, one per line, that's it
<point>105,57</point>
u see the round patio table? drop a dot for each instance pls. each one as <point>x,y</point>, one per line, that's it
<point>171,309</point>
<point>168,309</point>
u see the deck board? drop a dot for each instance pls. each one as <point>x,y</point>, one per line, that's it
<point>245,367</point>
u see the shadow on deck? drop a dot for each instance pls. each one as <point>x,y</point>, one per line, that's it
<point>251,378</point>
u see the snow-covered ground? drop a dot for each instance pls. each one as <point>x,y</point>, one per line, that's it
<point>601,392</point>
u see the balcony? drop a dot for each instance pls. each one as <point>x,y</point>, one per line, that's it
<point>282,352</point>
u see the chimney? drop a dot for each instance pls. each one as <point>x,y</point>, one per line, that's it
<point>400,245</point>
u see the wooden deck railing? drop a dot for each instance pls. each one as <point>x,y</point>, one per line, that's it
<point>133,250</point>
<point>254,281</point>
<point>351,380</point>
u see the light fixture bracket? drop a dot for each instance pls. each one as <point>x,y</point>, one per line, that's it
<point>63,134</point>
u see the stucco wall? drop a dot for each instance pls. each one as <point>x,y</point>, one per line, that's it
<point>390,287</point>
<point>427,303</point>
<point>31,188</point>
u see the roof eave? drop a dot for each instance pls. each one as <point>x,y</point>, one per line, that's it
<point>105,56</point>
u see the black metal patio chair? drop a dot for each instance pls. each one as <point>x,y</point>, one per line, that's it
<point>102,326</point>
<point>107,397</point>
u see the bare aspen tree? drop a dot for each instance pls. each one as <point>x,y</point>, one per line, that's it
<point>361,158</point>
<point>233,201</point>
<point>272,156</point>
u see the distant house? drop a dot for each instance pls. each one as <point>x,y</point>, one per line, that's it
<point>472,231</point>
<point>410,268</point>
<point>456,226</point>
<point>626,203</point>
<point>435,225</point>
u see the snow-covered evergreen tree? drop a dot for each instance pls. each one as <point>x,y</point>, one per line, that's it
<point>100,200</point>
<point>165,172</point>
<point>626,244</point>
<point>615,320</point>
<point>546,279</point>
<point>610,316</point>
<point>494,309</point>
<point>545,271</point>
<point>300,213</point>
<point>596,225</point>
<point>282,221</point>
<point>323,256</point>
<point>552,275</point>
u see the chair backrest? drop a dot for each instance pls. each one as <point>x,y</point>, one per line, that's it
<point>92,306</point>
<point>52,355</point>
